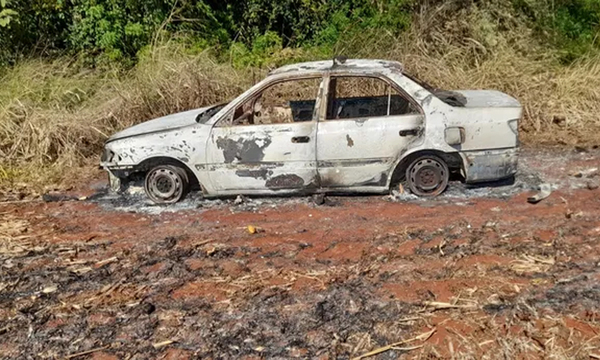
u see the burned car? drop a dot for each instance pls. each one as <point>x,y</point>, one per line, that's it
<point>323,127</point>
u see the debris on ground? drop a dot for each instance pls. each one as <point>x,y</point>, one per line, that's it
<point>59,197</point>
<point>251,229</point>
<point>544,192</point>
<point>239,200</point>
<point>586,173</point>
<point>318,199</point>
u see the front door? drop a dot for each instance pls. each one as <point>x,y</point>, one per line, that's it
<point>268,143</point>
<point>368,123</point>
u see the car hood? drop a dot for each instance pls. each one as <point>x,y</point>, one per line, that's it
<point>160,124</point>
<point>487,98</point>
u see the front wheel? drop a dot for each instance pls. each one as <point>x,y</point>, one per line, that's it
<point>166,184</point>
<point>428,176</point>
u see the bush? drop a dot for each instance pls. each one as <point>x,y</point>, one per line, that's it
<point>572,26</point>
<point>116,30</point>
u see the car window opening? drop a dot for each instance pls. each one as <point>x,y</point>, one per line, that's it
<point>284,102</point>
<point>352,97</point>
<point>449,97</point>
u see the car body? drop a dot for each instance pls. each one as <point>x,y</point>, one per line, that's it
<point>368,127</point>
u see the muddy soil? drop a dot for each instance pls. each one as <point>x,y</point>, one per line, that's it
<point>477,273</point>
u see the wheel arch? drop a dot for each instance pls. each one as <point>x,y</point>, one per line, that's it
<point>454,161</point>
<point>147,164</point>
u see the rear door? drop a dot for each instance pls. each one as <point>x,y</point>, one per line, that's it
<point>368,123</point>
<point>268,143</point>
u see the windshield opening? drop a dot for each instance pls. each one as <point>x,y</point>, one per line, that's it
<point>203,117</point>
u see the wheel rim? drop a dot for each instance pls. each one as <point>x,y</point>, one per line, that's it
<point>428,177</point>
<point>164,185</point>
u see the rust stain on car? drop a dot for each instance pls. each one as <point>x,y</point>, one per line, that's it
<point>349,141</point>
<point>285,181</point>
<point>243,150</point>
<point>256,174</point>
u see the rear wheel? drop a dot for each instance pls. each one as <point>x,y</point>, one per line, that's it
<point>428,176</point>
<point>166,184</point>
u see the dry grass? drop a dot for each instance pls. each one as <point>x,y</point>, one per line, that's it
<point>54,117</point>
<point>11,238</point>
<point>531,264</point>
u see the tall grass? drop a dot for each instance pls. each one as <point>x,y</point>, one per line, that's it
<point>55,116</point>
<point>53,119</point>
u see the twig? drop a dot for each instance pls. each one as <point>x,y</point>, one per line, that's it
<point>443,306</point>
<point>200,243</point>
<point>360,343</point>
<point>106,261</point>
<point>422,337</point>
<point>20,201</point>
<point>410,348</point>
<point>549,261</point>
<point>485,342</point>
<point>72,356</point>
<point>158,345</point>
<point>82,270</point>
<point>161,27</point>
<point>410,319</point>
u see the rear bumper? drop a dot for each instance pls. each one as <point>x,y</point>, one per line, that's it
<point>490,165</point>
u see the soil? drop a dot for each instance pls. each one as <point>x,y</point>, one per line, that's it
<point>476,273</point>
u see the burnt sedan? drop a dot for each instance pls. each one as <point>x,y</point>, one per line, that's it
<point>322,127</point>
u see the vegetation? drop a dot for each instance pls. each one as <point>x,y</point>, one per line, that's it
<point>75,71</point>
<point>101,30</point>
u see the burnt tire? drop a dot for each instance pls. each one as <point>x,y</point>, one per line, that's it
<point>166,184</point>
<point>428,176</point>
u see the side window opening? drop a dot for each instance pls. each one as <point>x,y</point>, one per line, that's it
<point>281,103</point>
<point>352,97</point>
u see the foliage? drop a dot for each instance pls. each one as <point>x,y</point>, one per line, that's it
<point>570,25</point>
<point>118,30</point>
<point>114,28</point>
<point>33,27</point>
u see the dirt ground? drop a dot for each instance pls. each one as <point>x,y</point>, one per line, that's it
<point>477,273</point>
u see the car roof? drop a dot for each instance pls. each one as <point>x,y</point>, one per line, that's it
<point>341,65</point>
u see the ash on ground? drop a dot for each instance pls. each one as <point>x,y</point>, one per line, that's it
<point>535,169</point>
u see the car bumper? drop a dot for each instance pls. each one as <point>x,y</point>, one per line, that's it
<point>490,165</point>
<point>114,181</point>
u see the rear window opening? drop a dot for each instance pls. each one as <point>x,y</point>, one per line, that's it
<point>355,97</point>
<point>451,98</point>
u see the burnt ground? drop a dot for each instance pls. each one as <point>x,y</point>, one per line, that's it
<point>477,273</point>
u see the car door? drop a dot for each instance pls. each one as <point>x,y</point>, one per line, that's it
<point>268,142</point>
<point>368,123</point>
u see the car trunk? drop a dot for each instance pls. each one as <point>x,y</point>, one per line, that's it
<point>487,99</point>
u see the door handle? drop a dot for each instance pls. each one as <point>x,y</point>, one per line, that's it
<point>411,132</point>
<point>300,139</point>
